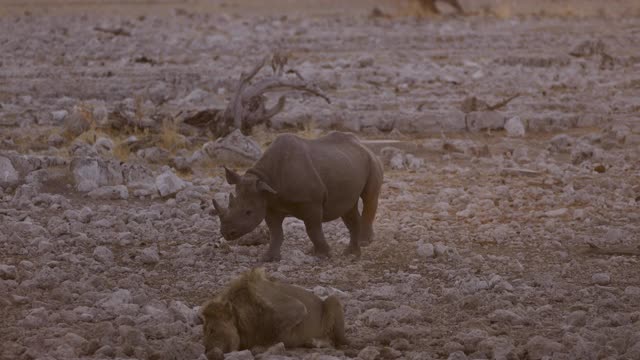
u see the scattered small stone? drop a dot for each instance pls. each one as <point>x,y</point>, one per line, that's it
<point>19,300</point>
<point>105,351</point>
<point>195,96</point>
<point>632,291</point>
<point>389,353</point>
<point>400,344</point>
<point>587,48</point>
<point>85,214</point>
<point>413,162</point>
<point>452,347</point>
<point>131,336</point>
<point>90,173</point>
<point>539,347</point>
<point>425,250</point>
<point>154,155</point>
<point>58,116</point>
<point>118,192</point>
<point>440,249</point>
<point>104,146</point>
<point>601,279</point>
<point>103,255</point>
<point>149,256</point>
<point>514,127</point>
<point>556,212</point>
<point>169,183</point>
<point>397,162</point>
<point>365,61</point>
<point>457,355</point>
<point>497,347</point>
<point>577,318</point>
<point>506,316</point>
<point>561,143</point>
<point>485,120</point>
<point>7,272</point>
<point>393,158</point>
<point>77,342</point>
<point>77,122</point>
<point>583,152</point>
<point>234,148</point>
<point>368,353</point>
<point>470,338</point>
<point>55,140</point>
<point>8,174</point>
<point>115,301</point>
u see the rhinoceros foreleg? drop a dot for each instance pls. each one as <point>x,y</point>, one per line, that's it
<point>313,224</point>
<point>274,222</point>
<point>352,220</point>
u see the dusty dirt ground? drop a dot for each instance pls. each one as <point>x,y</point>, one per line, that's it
<point>506,234</point>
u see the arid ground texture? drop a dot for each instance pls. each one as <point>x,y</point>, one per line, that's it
<point>508,225</point>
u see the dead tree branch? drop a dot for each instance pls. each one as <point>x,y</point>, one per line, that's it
<point>472,104</point>
<point>248,106</point>
<point>503,102</point>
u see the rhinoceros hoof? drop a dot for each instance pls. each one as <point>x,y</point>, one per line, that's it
<point>364,243</point>
<point>323,253</point>
<point>352,250</point>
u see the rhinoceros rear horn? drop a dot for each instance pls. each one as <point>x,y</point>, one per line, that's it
<point>219,209</point>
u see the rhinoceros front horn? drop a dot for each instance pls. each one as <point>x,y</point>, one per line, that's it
<point>219,209</point>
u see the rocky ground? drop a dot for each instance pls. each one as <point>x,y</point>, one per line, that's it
<point>506,231</point>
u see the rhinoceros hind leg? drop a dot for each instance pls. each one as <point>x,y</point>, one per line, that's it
<point>352,220</point>
<point>369,197</point>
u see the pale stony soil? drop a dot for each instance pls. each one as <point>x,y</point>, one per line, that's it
<point>482,239</point>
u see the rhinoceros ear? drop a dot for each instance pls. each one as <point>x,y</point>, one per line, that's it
<point>263,186</point>
<point>232,176</point>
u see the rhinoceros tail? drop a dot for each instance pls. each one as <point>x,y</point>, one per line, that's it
<point>370,200</point>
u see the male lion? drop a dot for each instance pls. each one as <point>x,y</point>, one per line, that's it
<point>256,311</point>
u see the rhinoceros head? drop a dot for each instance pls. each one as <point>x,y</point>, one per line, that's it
<point>245,211</point>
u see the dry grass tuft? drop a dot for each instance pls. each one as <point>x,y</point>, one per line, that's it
<point>309,130</point>
<point>121,150</point>
<point>80,122</point>
<point>170,138</point>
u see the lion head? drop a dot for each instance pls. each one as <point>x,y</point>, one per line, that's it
<point>220,331</point>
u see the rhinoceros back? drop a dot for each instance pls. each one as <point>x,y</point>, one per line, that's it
<point>331,170</point>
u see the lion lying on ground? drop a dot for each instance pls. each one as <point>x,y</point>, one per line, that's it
<point>254,311</point>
